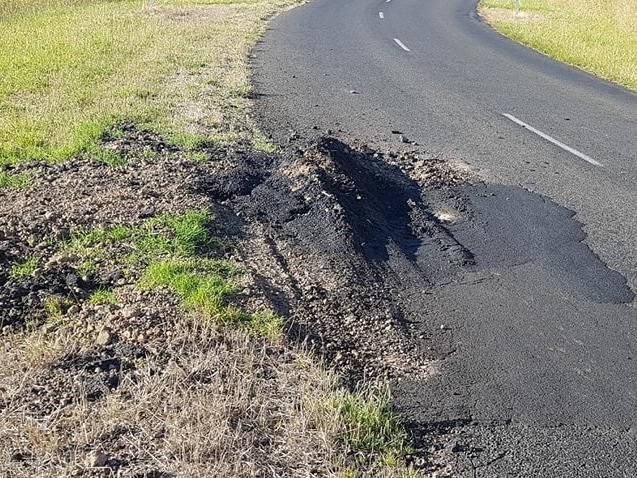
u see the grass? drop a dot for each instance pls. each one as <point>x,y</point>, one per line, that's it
<point>70,70</point>
<point>370,424</point>
<point>8,180</point>
<point>24,269</point>
<point>371,431</point>
<point>174,251</point>
<point>207,404</point>
<point>102,296</point>
<point>55,307</point>
<point>203,290</point>
<point>599,36</point>
<point>221,395</point>
<point>162,236</point>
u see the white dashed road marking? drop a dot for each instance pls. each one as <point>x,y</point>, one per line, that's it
<point>565,147</point>
<point>401,44</point>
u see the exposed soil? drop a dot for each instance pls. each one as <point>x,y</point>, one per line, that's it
<point>325,232</point>
<point>317,229</point>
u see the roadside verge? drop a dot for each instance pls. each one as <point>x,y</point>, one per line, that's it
<point>597,36</point>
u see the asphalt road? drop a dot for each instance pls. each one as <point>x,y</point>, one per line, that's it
<point>539,357</point>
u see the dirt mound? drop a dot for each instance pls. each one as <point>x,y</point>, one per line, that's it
<point>326,229</point>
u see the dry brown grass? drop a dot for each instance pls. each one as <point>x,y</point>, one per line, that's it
<point>599,36</point>
<point>210,403</point>
<point>221,405</point>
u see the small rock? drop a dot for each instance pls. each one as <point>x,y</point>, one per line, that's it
<point>71,280</point>
<point>130,312</point>
<point>146,212</point>
<point>353,92</point>
<point>105,337</point>
<point>404,139</point>
<point>96,459</point>
<point>293,136</point>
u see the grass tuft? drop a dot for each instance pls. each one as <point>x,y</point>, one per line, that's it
<point>162,236</point>
<point>204,287</point>
<point>196,156</point>
<point>56,307</point>
<point>371,427</point>
<point>102,297</point>
<point>189,234</point>
<point>201,291</point>
<point>8,180</point>
<point>24,269</point>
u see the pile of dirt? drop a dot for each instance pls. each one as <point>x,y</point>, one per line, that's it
<point>325,229</point>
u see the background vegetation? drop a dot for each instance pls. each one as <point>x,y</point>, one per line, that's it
<point>71,69</point>
<point>599,36</point>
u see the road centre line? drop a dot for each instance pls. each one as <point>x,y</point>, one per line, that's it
<point>401,44</point>
<point>565,147</point>
<point>381,15</point>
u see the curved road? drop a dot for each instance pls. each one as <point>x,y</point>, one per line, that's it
<point>543,377</point>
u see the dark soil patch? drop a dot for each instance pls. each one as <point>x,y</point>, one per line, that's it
<point>321,228</point>
<point>324,229</point>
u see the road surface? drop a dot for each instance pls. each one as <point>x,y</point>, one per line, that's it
<point>538,359</point>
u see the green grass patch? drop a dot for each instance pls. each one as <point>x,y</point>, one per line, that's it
<point>196,156</point>
<point>24,269</point>
<point>599,36</point>
<point>370,425</point>
<point>9,180</point>
<point>102,297</point>
<point>175,251</point>
<point>200,288</point>
<point>266,324</point>
<point>72,69</point>
<point>56,307</point>
<point>188,237</point>
<point>87,268</point>
<point>204,287</point>
<point>166,235</point>
<point>261,143</point>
